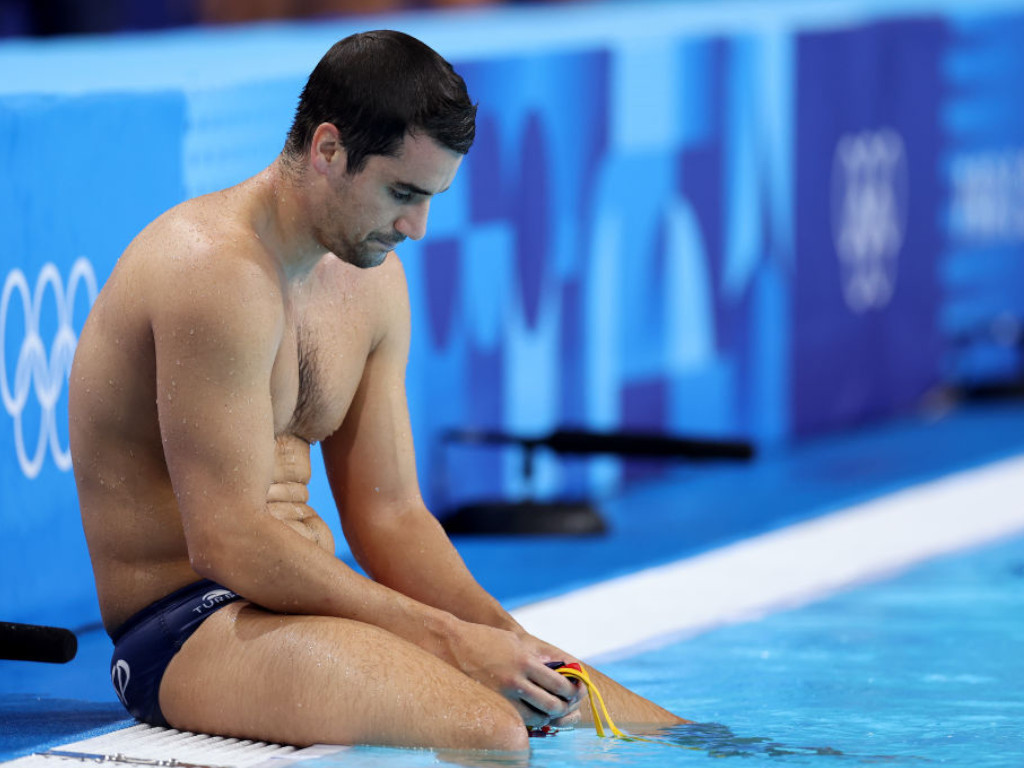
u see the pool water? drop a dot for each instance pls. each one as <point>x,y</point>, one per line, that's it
<point>927,667</point>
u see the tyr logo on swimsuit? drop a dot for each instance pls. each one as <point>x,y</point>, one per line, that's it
<point>212,598</point>
<point>120,674</point>
<point>37,370</point>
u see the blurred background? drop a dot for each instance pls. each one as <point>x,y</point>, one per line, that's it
<point>771,222</point>
<point>67,17</point>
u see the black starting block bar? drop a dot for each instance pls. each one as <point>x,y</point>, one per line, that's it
<point>574,517</point>
<point>30,642</point>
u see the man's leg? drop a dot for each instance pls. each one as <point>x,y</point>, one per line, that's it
<point>303,680</point>
<point>628,708</point>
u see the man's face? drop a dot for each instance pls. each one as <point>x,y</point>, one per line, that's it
<point>370,212</point>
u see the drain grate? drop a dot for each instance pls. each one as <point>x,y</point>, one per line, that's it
<point>147,746</point>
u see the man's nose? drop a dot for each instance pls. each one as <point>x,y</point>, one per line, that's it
<point>413,221</point>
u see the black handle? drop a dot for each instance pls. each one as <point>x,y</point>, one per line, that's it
<point>29,642</point>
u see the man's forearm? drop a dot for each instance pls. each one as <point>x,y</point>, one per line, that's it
<point>413,555</point>
<point>276,568</point>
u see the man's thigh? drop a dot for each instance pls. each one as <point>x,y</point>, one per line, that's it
<point>303,680</point>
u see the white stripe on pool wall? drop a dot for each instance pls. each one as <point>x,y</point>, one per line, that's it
<point>785,568</point>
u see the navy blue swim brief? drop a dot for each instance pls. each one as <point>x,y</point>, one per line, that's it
<point>145,644</point>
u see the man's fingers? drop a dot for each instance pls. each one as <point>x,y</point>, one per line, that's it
<point>556,683</point>
<point>546,703</point>
<point>531,717</point>
<point>569,721</point>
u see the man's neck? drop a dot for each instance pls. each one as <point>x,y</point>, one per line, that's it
<point>282,221</point>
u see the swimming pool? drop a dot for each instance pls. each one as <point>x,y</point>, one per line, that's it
<point>924,668</point>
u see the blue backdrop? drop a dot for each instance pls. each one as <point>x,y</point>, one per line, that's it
<point>866,294</point>
<point>767,229</point>
<point>80,176</point>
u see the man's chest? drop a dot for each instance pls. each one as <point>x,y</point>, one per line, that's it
<point>319,367</point>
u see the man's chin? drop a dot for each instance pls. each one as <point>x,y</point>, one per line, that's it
<point>367,259</point>
<point>374,259</point>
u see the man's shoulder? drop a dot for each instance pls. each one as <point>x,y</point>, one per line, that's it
<point>188,267</point>
<point>197,244</point>
<point>197,227</point>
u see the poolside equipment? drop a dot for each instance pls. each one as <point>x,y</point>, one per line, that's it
<point>573,516</point>
<point>32,642</point>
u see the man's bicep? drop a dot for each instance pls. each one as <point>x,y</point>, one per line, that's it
<point>214,406</point>
<point>370,460</point>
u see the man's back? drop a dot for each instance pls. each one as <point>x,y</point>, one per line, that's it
<point>202,248</point>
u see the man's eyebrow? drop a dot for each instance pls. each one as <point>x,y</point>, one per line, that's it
<point>407,187</point>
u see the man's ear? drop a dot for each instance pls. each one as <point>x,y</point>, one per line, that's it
<point>326,151</point>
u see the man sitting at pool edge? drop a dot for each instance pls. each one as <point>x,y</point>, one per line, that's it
<point>236,330</point>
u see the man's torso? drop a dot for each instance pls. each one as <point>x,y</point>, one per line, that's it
<point>332,320</point>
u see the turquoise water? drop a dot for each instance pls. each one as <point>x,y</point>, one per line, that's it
<point>927,668</point>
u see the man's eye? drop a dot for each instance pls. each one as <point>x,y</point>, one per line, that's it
<point>401,196</point>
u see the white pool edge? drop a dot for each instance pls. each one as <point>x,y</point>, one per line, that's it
<point>784,568</point>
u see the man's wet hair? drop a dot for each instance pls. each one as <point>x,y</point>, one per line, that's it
<point>374,87</point>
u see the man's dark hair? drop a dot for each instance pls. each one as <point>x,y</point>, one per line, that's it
<point>374,87</point>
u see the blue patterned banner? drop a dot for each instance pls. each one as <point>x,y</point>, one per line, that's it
<point>865,335</point>
<point>88,172</point>
<point>982,318</point>
<point>754,230</point>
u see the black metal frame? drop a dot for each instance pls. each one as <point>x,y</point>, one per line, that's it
<point>573,517</point>
<point>32,642</point>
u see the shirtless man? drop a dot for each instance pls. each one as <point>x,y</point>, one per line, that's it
<point>236,330</point>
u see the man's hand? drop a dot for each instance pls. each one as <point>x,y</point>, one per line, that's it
<point>514,666</point>
<point>624,705</point>
<point>546,650</point>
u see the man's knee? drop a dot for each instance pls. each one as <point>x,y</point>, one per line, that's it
<point>503,730</point>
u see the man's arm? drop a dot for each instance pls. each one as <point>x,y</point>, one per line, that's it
<point>371,467</point>
<point>372,471</point>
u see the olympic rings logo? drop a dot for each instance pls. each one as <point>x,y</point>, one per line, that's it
<point>869,215</point>
<point>36,373</point>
